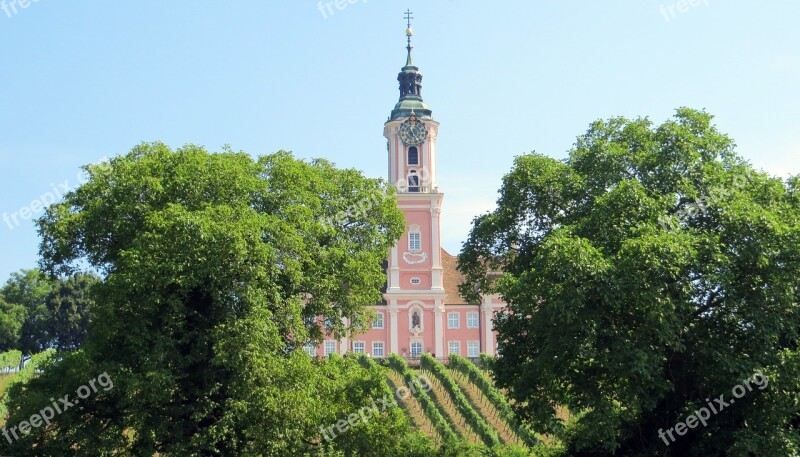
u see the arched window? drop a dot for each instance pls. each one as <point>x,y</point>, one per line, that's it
<point>413,156</point>
<point>413,181</point>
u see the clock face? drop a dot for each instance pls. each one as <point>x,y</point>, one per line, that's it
<point>413,131</point>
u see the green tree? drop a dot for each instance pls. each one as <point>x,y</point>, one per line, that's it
<point>69,305</point>
<point>29,289</point>
<point>214,266</point>
<point>12,317</point>
<point>651,270</point>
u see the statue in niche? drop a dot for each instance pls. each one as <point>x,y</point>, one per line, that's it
<point>415,319</point>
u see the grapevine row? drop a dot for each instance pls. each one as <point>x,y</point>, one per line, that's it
<point>497,399</point>
<point>428,406</point>
<point>487,433</point>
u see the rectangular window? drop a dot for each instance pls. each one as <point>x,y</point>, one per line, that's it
<point>472,320</point>
<point>454,347</point>
<point>413,156</point>
<point>377,349</point>
<point>358,347</point>
<point>452,320</point>
<point>414,241</point>
<point>378,322</point>
<point>473,348</point>
<point>310,349</point>
<point>416,349</point>
<point>330,348</point>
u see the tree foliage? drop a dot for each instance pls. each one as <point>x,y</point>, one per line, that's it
<point>26,292</point>
<point>41,312</point>
<point>649,271</point>
<point>69,307</point>
<point>12,317</point>
<point>10,359</point>
<point>214,266</point>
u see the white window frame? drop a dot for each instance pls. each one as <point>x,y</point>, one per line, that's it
<point>310,349</point>
<point>330,347</point>
<point>363,347</point>
<point>378,323</point>
<point>415,281</point>
<point>457,345</point>
<point>476,345</point>
<point>418,344</point>
<point>375,346</point>
<point>476,317</point>
<point>414,241</point>
<point>450,322</point>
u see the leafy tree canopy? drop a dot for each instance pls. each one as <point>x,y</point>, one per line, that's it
<point>214,266</point>
<point>651,270</point>
<point>40,312</point>
<point>12,317</point>
<point>27,291</point>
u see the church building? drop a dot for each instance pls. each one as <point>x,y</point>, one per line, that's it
<point>422,309</point>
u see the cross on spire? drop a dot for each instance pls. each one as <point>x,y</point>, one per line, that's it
<point>409,31</point>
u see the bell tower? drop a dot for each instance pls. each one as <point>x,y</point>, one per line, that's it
<point>415,266</point>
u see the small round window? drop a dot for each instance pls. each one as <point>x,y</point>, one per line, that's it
<point>416,281</point>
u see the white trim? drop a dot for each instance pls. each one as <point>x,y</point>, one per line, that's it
<point>415,245</point>
<point>458,320</point>
<point>383,349</point>
<point>325,351</point>
<point>476,343</point>
<point>393,327</point>
<point>438,333</point>
<point>411,346</point>
<point>488,312</point>
<point>449,348</point>
<point>477,319</point>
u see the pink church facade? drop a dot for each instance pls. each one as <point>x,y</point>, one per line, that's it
<point>422,309</point>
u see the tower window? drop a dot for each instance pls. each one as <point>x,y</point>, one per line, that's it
<point>413,181</point>
<point>414,241</point>
<point>413,156</point>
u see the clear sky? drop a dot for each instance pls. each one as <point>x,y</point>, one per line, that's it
<point>84,80</point>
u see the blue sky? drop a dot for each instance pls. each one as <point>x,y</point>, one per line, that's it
<point>85,80</point>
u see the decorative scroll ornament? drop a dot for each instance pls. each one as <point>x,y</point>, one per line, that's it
<point>412,258</point>
<point>416,331</point>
